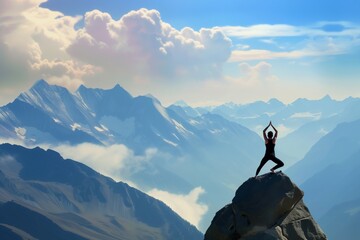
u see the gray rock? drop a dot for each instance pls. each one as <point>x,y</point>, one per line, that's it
<point>268,207</point>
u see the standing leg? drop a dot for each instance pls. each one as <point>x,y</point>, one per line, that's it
<point>262,163</point>
<point>278,162</point>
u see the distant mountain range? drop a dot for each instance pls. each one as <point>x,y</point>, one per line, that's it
<point>192,147</point>
<point>304,121</point>
<point>43,196</point>
<point>213,147</point>
<point>330,178</point>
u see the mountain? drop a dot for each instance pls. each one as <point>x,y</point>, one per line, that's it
<point>341,180</point>
<point>342,221</point>
<point>329,174</point>
<point>302,139</point>
<point>334,148</point>
<point>190,147</point>
<point>43,196</point>
<point>51,114</point>
<point>282,214</point>
<point>301,123</point>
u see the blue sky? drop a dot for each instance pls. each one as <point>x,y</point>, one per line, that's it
<point>209,13</point>
<point>203,52</point>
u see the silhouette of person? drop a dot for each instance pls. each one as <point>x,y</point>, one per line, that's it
<point>270,141</point>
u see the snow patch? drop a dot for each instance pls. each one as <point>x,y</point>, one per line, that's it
<point>216,131</point>
<point>20,132</point>
<point>308,115</point>
<point>99,129</point>
<point>170,142</point>
<point>181,128</point>
<point>193,122</point>
<point>56,120</point>
<point>162,111</point>
<point>103,127</point>
<point>75,126</point>
<point>323,131</point>
<point>176,136</point>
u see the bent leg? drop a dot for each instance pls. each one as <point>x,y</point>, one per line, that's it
<point>278,162</point>
<point>262,163</point>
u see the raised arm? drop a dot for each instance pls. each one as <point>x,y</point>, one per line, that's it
<point>264,132</point>
<point>276,132</point>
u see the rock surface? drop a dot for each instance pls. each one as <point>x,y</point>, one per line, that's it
<point>268,207</point>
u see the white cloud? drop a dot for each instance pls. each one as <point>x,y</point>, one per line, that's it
<point>260,54</point>
<point>263,30</point>
<point>261,71</point>
<point>33,42</point>
<point>321,39</point>
<point>285,30</point>
<point>308,115</point>
<point>113,160</point>
<point>141,45</point>
<point>138,48</point>
<point>186,205</point>
<point>108,160</point>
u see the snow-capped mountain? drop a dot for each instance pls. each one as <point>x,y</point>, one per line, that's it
<point>51,114</point>
<point>301,123</point>
<point>192,147</point>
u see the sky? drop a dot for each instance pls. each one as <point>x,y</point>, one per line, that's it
<point>202,52</point>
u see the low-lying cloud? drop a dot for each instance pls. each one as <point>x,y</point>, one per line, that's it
<point>186,205</point>
<point>108,160</point>
<point>114,159</point>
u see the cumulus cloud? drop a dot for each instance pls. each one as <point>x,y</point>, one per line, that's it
<point>140,47</point>
<point>258,72</point>
<point>140,44</point>
<point>33,42</point>
<point>186,205</point>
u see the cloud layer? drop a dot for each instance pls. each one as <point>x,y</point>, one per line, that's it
<point>141,49</point>
<point>115,159</point>
<point>109,160</point>
<point>186,205</point>
<point>46,44</point>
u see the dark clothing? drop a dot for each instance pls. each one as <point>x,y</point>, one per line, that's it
<point>270,148</point>
<point>270,155</point>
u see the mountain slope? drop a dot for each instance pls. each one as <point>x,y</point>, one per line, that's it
<point>330,177</point>
<point>188,148</point>
<point>74,199</point>
<point>342,221</point>
<point>336,147</point>
<point>302,122</point>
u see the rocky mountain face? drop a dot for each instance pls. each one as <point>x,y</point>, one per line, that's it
<point>189,148</point>
<point>43,196</point>
<point>305,121</point>
<point>52,114</point>
<point>267,207</point>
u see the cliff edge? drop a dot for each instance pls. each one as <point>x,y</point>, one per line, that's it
<point>268,207</point>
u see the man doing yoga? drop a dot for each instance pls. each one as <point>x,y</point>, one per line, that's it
<point>270,140</point>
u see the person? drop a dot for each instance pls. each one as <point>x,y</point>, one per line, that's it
<point>270,141</point>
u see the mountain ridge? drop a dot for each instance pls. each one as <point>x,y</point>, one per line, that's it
<point>52,186</point>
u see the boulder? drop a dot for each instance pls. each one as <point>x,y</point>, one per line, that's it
<point>268,207</point>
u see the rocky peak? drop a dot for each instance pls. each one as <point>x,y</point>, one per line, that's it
<point>269,207</point>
